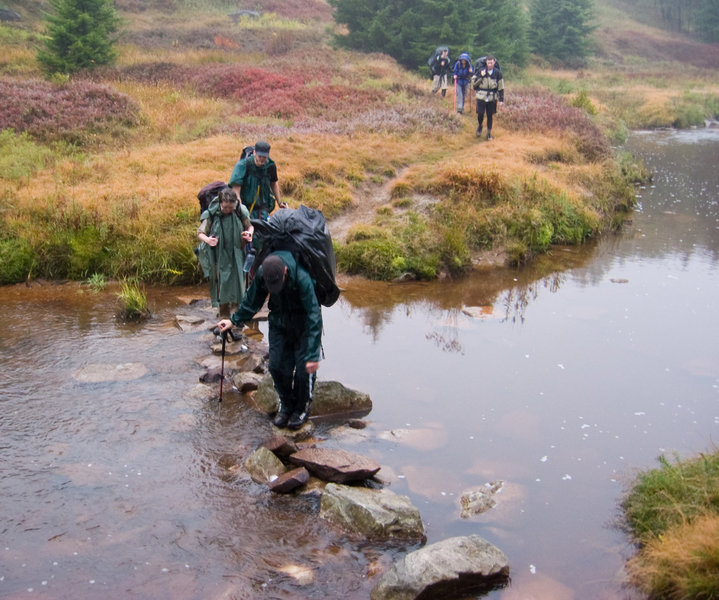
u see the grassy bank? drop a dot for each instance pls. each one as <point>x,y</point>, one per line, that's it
<point>672,512</point>
<point>100,175</point>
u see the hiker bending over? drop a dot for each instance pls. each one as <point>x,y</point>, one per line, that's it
<point>224,234</point>
<point>295,331</point>
<point>254,179</point>
<point>489,85</point>
<point>440,71</point>
<point>462,73</point>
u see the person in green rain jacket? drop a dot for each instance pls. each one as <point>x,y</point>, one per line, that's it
<point>223,234</point>
<point>254,179</point>
<point>295,332</point>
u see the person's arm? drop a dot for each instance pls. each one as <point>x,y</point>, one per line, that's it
<point>313,316</point>
<point>250,306</point>
<point>203,231</point>
<point>237,177</point>
<point>275,187</point>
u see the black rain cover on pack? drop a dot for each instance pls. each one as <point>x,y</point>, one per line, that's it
<point>303,232</point>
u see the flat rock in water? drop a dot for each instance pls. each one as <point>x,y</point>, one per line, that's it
<point>103,372</point>
<point>338,466</point>
<point>290,480</point>
<point>477,501</point>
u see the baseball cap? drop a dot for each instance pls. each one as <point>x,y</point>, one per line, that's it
<point>262,148</point>
<point>273,272</point>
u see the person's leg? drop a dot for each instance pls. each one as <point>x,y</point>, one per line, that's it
<point>460,98</point>
<point>491,109</point>
<point>444,85</point>
<point>435,83</point>
<point>480,116</point>
<point>281,368</point>
<point>303,385</point>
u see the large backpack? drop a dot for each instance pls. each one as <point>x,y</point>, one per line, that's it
<point>303,232</point>
<point>208,193</point>
<point>432,60</point>
<point>482,64</point>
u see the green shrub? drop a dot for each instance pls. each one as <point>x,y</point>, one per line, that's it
<point>20,157</point>
<point>16,258</point>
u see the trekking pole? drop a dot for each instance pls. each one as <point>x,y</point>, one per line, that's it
<point>222,368</point>
<point>455,95</point>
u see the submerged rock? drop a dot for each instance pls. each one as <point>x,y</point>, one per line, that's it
<point>452,568</point>
<point>103,372</point>
<point>371,513</point>
<point>477,501</point>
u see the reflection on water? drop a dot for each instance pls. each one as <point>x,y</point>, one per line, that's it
<point>560,379</point>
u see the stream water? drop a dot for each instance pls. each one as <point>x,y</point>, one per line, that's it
<point>561,379</point>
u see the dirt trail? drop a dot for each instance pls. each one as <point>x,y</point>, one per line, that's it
<point>367,199</point>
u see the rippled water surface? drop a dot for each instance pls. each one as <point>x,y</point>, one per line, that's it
<point>561,380</point>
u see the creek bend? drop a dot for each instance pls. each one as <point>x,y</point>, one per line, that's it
<point>561,379</point>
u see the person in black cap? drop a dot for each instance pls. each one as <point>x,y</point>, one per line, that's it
<point>254,180</point>
<point>295,332</point>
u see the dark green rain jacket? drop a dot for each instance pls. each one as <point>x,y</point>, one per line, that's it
<point>294,311</point>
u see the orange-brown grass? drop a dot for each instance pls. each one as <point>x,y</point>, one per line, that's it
<point>681,564</point>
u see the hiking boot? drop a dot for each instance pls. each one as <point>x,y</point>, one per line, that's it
<point>281,419</point>
<point>479,131</point>
<point>460,110</point>
<point>299,418</point>
<point>489,136</point>
<point>444,93</point>
<point>282,416</point>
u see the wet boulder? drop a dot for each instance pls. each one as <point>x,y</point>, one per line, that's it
<point>377,514</point>
<point>328,397</point>
<point>339,466</point>
<point>280,445</point>
<point>190,323</point>
<point>263,466</point>
<point>331,397</point>
<point>290,480</point>
<point>246,381</point>
<point>453,568</point>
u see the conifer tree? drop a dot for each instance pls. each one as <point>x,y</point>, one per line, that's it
<point>80,35</point>
<point>708,20</point>
<point>560,29</point>
<point>408,30</point>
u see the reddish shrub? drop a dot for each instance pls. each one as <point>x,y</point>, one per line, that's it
<point>69,112</point>
<point>536,109</point>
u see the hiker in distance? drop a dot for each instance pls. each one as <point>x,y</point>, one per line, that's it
<point>295,331</point>
<point>224,238</point>
<point>488,83</point>
<point>254,179</point>
<point>462,73</point>
<point>439,64</point>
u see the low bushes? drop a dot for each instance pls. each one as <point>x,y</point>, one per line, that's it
<point>74,112</point>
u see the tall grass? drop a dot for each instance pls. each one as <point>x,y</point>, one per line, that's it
<point>673,513</point>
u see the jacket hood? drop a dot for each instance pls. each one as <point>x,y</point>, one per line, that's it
<point>464,56</point>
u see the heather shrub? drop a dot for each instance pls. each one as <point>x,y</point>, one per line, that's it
<point>537,110</point>
<point>20,157</point>
<point>75,113</point>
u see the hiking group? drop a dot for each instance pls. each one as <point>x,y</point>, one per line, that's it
<point>485,78</point>
<point>248,252</point>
